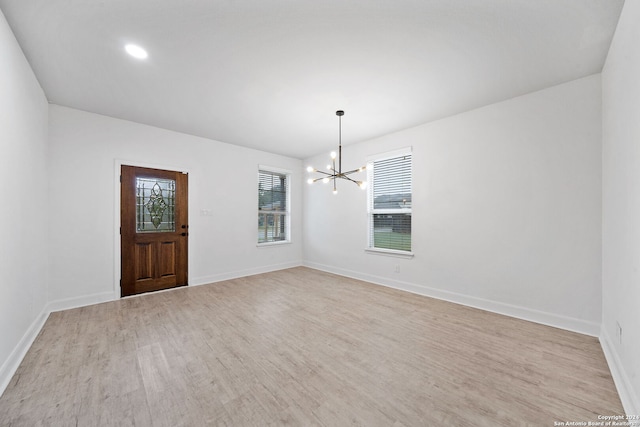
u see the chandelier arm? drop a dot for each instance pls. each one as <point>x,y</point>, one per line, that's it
<point>324,173</point>
<point>353,171</point>
<point>347,178</point>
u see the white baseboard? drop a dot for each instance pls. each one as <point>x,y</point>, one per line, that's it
<point>10,366</point>
<point>524,313</point>
<point>242,273</point>
<point>83,301</point>
<point>627,395</point>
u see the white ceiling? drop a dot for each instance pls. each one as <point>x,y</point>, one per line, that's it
<point>270,74</point>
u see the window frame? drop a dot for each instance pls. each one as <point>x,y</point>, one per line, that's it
<point>263,169</point>
<point>371,211</point>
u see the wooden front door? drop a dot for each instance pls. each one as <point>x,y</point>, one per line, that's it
<point>154,229</point>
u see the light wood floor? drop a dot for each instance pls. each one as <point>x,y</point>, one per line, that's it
<point>303,347</point>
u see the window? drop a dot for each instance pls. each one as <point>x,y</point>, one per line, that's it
<point>389,199</point>
<point>273,205</point>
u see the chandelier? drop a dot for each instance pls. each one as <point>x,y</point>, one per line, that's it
<point>334,173</point>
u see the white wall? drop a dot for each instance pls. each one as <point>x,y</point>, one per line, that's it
<point>84,150</point>
<point>23,212</point>
<point>507,209</point>
<point>621,206</point>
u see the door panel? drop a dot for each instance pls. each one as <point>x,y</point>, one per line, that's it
<point>167,259</point>
<point>154,233</point>
<point>144,266</point>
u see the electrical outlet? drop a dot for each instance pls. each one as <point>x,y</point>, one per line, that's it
<point>619,330</point>
<point>397,268</point>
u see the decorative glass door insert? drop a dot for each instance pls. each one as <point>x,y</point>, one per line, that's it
<point>155,205</point>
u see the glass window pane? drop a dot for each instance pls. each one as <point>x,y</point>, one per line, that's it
<point>272,191</point>
<point>392,231</point>
<point>155,205</point>
<point>271,227</point>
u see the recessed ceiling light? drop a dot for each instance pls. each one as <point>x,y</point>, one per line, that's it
<point>136,51</point>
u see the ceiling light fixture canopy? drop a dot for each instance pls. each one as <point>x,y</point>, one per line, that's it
<point>334,173</point>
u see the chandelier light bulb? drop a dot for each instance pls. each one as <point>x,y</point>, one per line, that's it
<point>329,167</point>
<point>335,191</point>
<point>362,184</point>
<point>333,155</point>
<point>310,169</point>
<point>325,180</point>
<point>310,181</point>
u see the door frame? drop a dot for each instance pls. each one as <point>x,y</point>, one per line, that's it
<point>117,268</point>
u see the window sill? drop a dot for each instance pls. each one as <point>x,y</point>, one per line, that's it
<point>389,252</point>
<point>266,244</point>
